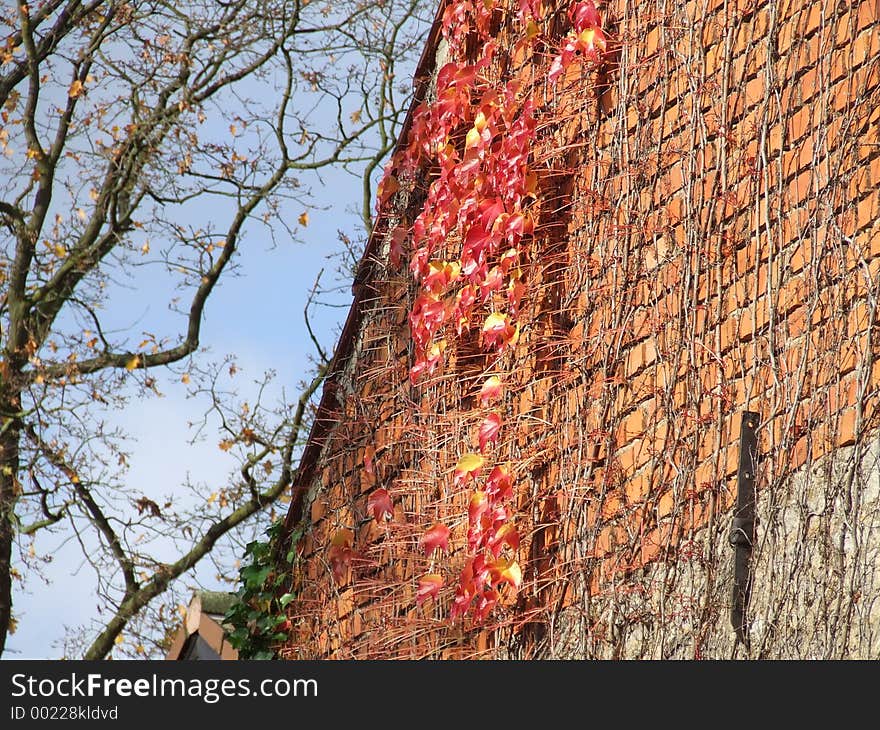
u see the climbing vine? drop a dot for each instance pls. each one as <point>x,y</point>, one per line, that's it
<point>473,138</point>
<point>257,620</point>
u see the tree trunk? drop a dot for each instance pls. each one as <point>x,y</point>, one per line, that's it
<point>9,457</point>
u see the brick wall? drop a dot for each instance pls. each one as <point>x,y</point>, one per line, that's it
<point>707,241</point>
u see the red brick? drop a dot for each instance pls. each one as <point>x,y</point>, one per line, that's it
<point>847,427</point>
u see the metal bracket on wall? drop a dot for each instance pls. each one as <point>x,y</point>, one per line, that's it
<point>742,530</point>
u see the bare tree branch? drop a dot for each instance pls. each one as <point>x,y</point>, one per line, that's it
<point>159,582</point>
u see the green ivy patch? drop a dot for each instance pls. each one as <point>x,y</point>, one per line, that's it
<point>257,620</point>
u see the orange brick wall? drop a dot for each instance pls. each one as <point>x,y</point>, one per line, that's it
<point>707,242</point>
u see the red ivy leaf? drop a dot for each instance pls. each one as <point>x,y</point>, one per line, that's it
<point>584,15</point>
<point>489,211</point>
<point>529,9</point>
<point>489,429</point>
<point>591,42</point>
<point>340,553</point>
<point>369,455</point>
<point>560,63</point>
<point>515,291</point>
<point>388,185</point>
<point>491,389</point>
<point>429,587</point>
<point>440,275</point>
<point>518,225</point>
<point>380,505</point>
<point>471,575</point>
<point>396,250</point>
<point>436,537</point>
<point>499,332</point>
<point>464,304</point>
<point>508,260</point>
<point>478,505</point>
<point>506,535</point>
<point>463,598</point>
<point>485,603</point>
<point>499,485</point>
<point>476,241</point>
<point>492,283</point>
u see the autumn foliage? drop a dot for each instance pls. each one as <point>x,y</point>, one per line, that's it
<point>475,137</point>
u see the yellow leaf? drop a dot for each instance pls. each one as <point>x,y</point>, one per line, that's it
<point>436,349</point>
<point>60,251</point>
<point>140,649</point>
<point>494,321</point>
<point>119,639</point>
<point>480,122</point>
<point>512,573</point>
<point>76,89</point>
<point>225,445</point>
<point>133,362</point>
<point>184,378</point>
<point>145,249</point>
<point>469,462</point>
<point>304,218</point>
<point>588,38</point>
<point>450,269</point>
<point>81,213</point>
<point>472,139</point>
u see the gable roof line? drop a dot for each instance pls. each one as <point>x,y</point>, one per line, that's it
<point>324,418</point>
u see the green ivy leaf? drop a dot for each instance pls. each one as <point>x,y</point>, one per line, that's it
<point>254,575</point>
